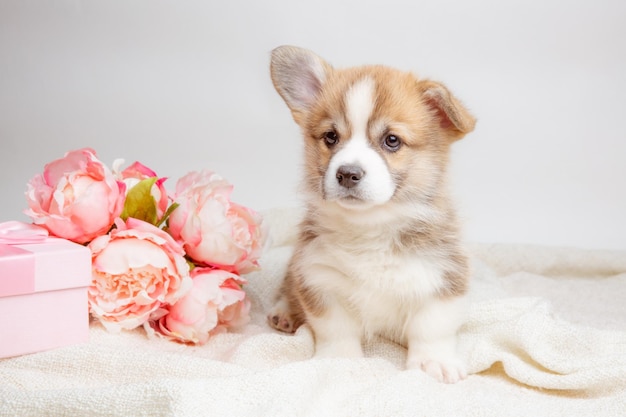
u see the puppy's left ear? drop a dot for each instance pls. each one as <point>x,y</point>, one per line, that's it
<point>454,119</point>
<point>298,75</point>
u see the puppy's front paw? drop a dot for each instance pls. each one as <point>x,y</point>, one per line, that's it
<point>447,370</point>
<point>280,318</point>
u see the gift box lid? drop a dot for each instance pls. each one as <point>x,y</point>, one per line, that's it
<point>43,264</point>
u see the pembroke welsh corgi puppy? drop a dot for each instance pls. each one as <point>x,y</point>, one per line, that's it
<point>378,250</point>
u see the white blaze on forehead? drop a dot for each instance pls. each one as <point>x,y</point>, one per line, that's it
<point>377,185</point>
<point>359,102</point>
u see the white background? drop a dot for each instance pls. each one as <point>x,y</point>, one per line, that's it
<point>184,85</point>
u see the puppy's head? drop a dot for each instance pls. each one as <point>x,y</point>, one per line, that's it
<point>373,135</point>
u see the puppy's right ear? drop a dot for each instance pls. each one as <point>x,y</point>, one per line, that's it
<point>298,75</point>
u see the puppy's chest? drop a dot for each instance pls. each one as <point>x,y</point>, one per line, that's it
<point>370,269</point>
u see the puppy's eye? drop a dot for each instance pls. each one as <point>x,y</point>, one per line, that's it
<point>331,138</point>
<point>392,143</point>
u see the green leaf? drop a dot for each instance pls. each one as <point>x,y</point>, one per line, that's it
<point>191,264</point>
<point>139,202</point>
<point>167,213</point>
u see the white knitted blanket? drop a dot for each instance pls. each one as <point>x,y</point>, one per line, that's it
<point>546,336</point>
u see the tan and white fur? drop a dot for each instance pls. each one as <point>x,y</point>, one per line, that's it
<point>378,251</point>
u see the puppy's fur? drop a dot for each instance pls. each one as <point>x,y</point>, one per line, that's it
<point>378,251</point>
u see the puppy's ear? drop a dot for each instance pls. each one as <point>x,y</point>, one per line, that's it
<point>298,75</point>
<point>453,117</point>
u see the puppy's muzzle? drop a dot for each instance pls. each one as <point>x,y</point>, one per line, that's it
<point>349,176</point>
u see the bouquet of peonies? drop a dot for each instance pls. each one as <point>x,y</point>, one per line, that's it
<point>172,264</point>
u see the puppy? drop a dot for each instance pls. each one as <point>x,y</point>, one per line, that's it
<point>378,250</point>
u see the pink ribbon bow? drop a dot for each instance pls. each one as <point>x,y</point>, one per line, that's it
<point>14,232</point>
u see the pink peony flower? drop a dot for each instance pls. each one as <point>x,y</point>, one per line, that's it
<point>137,268</point>
<point>133,176</point>
<point>215,231</point>
<point>76,197</point>
<point>215,303</point>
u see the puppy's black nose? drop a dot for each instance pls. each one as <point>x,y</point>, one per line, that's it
<point>349,175</point>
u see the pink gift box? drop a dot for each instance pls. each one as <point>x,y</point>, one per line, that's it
<point>43,293</point>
